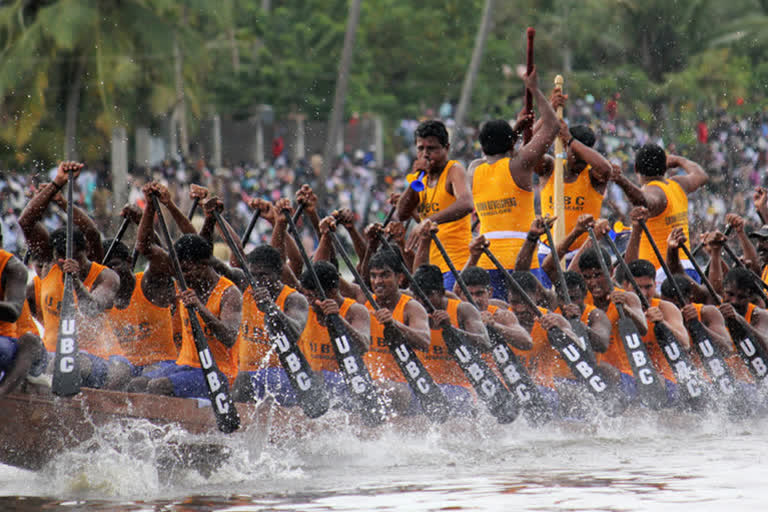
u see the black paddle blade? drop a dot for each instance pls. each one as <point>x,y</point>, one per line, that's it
<point>227,418</point>
<point>66,371</point>
<point>309,386</point>
<point>650,389</point>
<point>430,396</point>
<point>359,383</point>
<point>693,391</point>
<point>518,381</point>
<point>713,362</point>
<point>488,387</point>
<point>587,372</point>
<point>750,350</point>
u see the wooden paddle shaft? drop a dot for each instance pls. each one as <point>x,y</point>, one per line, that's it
<point>559,176</point>
<point>530,34</point>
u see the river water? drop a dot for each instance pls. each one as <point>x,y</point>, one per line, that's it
<point>648,461</point>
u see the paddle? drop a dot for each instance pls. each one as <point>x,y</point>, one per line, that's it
<point>578,328</point>
<point>677,357</point>
<point>224,409</point>
<point>650,389</point>
<point>709,353</point>
<point>513,372</point>
<point>488,387</point>
<point>350,361</point>
<point>118,236</point>
<point>193,208</point>
<point>252,224</point>
<point>66,371</point>
<point>309,386</point>
<point>749,349</point>
<point>588,372</point>
<point>700,245</point>
<point>761,285</point>
<point>430,396</point>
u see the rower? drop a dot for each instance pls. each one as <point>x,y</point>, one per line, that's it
<point>603,295</point>
<point>21,350</point>
<point>659,310</point>
<point>408,315</point>
<point>315,341</point>
<point>218,304</point>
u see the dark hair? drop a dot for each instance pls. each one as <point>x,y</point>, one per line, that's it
<point>638,268</point>
<point>384,258</point>
<point>120,250</point>
<point>476,276</point>
<point>583,134</point>
<point>193,248</point>
<point>683,282</point>
<point>575,280</point>
<point>58,241</point>
<point>497,137</point>
<point>432,128</point>
<point>429,278</point>
<point>588,259</point>
<point>742,278</point>
<point>651,160</point>
<point>268,256</point>
<point>526,280</point>
<point>326,274</point>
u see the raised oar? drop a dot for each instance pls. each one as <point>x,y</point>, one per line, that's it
<point>700,245</point>
<point>709,353</point>
<point>358,380</point>
<point>650,388</point>
<point>309,386</point>
<point>389,217</point>
<point>118,236</point>
<point>193,208</point>
<point>430,396</point>
<point>761,285</point>
<point>694,388</point>
<point>223,407</point>
<point>579,329</point>
<point>66,371</point>
<point>487,385</point>
<point>252,224</point>
<point>588,372</point>
<point>513,372</point>
<point>530,34</point>
<point>749,349</point>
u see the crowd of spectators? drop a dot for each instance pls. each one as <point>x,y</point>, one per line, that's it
<point>734,151</point>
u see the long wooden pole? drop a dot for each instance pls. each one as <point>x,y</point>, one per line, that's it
<point>474,63</point>
<point>560,159</point>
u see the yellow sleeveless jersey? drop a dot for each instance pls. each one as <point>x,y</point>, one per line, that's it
<point>315,342</point>
<point>226,358</point>
<point>254,348</point>
<point>144,330</point>
<point>580,198</point>
<point>505,211</point>
<point>7,329</point>
<point>439,363</point>
<point>379,360</point>
<point>94,334</point>
<point>455,235</point>
<point>674,215</point>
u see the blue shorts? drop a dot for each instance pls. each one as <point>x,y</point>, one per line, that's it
<point>100,368</point>
<point>499,282</point>
<point>551,399</point>
<point>628,386</point>
<point>137,371</point>
<point>673,393</point>
<point>273,382</point>
<point>8,349</point>
<point>187,381</point>
<point>460,400</point>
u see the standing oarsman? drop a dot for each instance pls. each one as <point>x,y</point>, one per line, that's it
<point>218,304</point>
<point>446,198</point>
<point>21,350</point>
<point>502,185</point>
<point>585,180</point>
<point>101,359</point>
<point>658,311</point>
<point>315,341</point>
<point>141,316</point>
<point>665,198</point>
<point>407,314</point>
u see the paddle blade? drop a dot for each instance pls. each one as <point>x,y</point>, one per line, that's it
<point>66,371</point>
<point>650,390</point>
<point>693,390</point>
